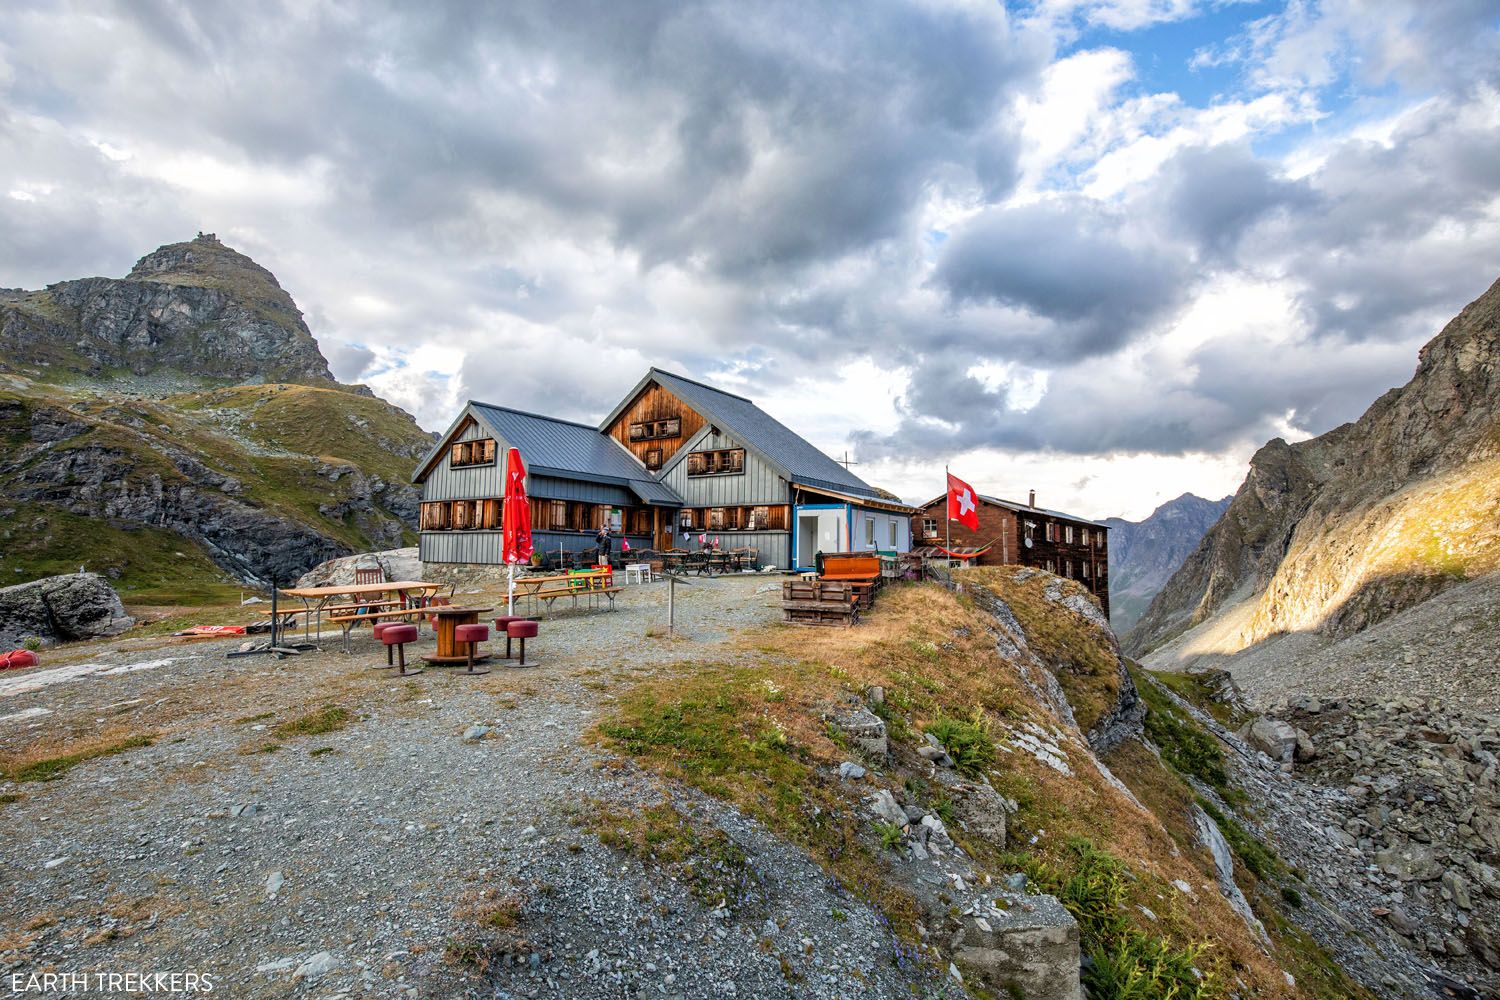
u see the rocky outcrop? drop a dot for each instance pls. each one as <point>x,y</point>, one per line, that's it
<point>196,308</point>
<point>1339,532</point>
<point>396,564</point>
<point>60,609</point>
<point>1143,555</point>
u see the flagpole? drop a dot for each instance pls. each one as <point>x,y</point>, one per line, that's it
<point>947,509</point>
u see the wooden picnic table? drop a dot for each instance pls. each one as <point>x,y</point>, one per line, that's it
<point>590,584</point>
<point>449,618</point>
<point>317,600</point>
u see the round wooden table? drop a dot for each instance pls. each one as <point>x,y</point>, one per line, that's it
<point>449,618</point>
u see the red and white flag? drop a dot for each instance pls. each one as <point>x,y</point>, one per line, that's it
<point>963,506</point>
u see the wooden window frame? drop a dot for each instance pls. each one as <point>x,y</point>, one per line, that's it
<point>708,463</point>
<point>929,527</point>
<point>653,458</point>
<point>660,429</point>
<point>472,454</point>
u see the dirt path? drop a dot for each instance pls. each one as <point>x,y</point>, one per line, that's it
<point>358,861</point>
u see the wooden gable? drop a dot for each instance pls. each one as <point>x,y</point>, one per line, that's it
<point>655,426</point>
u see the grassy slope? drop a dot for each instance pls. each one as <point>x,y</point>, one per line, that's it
<point>751,733</point>
<point>155,565</point>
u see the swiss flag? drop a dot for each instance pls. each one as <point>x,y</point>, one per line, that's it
<point>962,505</point>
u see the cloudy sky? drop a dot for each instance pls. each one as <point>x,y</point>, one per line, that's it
<point>1099,248</point>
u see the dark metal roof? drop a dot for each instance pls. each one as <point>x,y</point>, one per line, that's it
<point>550,446</point>
<point>762,432</point>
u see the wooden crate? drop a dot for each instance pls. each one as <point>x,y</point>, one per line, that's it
<point>819,602</point>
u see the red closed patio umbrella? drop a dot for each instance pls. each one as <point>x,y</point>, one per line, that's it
<point>515,524</point>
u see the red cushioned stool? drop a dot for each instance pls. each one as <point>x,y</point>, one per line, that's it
<point>398,634</point>
<point>501,625</point>
<point>471,636</point>
<point>522,630</point>
<point>377,630</point>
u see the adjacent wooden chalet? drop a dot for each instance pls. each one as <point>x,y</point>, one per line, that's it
<point>748,479</point>
<point>577,479</point>
<point>1027,535</point>
<point>675,460</point>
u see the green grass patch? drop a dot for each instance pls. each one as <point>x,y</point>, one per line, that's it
<point>53,768</point>
<point>1190,749</point>
<point>145,565</point>
<point>1192,689</point>
<point>329,719</point>
<point>1126,963</point>
<point>967,741</point>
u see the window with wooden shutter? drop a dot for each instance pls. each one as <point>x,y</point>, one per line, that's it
<point>466,454</point>
<point>724,462</point>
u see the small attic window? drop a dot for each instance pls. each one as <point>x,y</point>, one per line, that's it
<point>465,454</point>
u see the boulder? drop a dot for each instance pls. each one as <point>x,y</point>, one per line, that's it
<point>1027,946</point>
<point>864,729</point>
<point>1272,737</point>
<point>61,609</point>
<point>398,564</point>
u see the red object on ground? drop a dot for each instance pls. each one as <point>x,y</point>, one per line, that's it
<point>18,658</point>
<point>962,507</point>
<point>515,513</point>
<point>212,630</point>
<point>471,633</point>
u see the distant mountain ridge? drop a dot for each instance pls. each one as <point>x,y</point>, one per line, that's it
<point>1144,554</point>
<point>179,430</point>
<point>1340,532</point>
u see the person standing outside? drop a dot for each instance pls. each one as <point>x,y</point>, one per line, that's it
<point>602,539</point>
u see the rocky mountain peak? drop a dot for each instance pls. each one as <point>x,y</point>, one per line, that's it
<point>187,315</point>
<point>206,261</point>
<point>1338,532</point>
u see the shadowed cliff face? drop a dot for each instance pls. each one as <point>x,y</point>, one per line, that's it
<point>1143,555</point>
<point>1339,532</point>
<point>195,309</point>
<point>185,414</point>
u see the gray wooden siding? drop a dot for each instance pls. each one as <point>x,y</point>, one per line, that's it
<point>474,483</point>
<point>550,488</point>
<point>460,547</point>
<point>759,485</point>
<point>484,546</point>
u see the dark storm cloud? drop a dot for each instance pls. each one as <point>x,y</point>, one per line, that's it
<point>565,192</point>
<point>1211,195</point>
<point>1068,263</point>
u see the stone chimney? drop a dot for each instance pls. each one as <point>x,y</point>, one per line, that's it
<point>1032,501</point>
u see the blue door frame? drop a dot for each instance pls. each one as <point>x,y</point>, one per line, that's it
<point>797,528</point>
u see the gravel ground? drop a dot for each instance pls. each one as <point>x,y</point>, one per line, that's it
<point>346,863</point>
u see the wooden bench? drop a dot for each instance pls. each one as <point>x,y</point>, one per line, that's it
<point>858,569</point>
<point>572,585</point>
